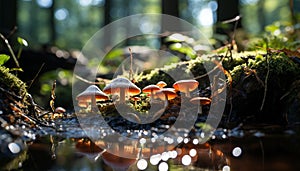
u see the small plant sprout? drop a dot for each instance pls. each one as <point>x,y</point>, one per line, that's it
<point>135,99</point>
<point>123,87</point>
<point>186,86</point>
<point>22,42</point>
<point>91,95</point>
<point>200,101</point>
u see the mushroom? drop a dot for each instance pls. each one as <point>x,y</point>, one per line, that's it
<point>200,101</point>
<point>135,99</point>
<point>123,87</point>
<point>117,162</point>
<point>151,89</point>
<point>161,84</point>
<point>60,110</point>
<point>166,94</point>
<point>186,86</point>
<point>88,149</point>
<point>91,94</point>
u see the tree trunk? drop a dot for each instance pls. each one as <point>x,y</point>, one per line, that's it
<point>8,15</point>
<point>227,10</point>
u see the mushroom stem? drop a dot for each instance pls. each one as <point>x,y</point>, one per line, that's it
<point>151,96</point>
<point>93,104</point>
<point>200,109</point>
<point>135,103</point>
<point>122,95</point>
<point>166,100</point>
<point>187,92</point>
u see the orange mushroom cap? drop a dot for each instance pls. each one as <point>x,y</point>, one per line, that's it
<point>161,84</point>
<point>169,92</point>
<point>116,162</point>
<point>186,86</point>
<point>150,88</point>
<point>122,83</point>
<point>201,100</point>
<point>91,91</point>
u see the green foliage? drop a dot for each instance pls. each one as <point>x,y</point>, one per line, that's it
<point>278,35</point>
<point>22,41</point>
<point>3,58</point>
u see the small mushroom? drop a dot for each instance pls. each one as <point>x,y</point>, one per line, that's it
<point>123,87</point>
<point>91,94</point>
<point>161,84</point>
<point>60,110</point>
<point>135,99</point>
<point>166,94</point>
<point>186,86</point>
<point>151,89</point>
<point>200,101</point>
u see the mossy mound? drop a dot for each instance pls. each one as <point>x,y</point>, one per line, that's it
<point>259,81</point>
<point>12,83</point>
<point>13,96</point>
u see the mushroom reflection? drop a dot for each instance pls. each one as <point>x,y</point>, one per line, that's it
<point>89,149</point>
<point>200,155</point>
<point>117,163</point>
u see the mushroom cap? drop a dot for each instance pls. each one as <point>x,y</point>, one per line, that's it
<point>183,85</point>
<point>60,110</point>
<point>170,92</point>
<point>121,83</point>
<point>91,91</point>
<point>201,100</point>
<point>116,162</point>
<point>161,84</point>
<point>150,88</point>
<point>83,104</point>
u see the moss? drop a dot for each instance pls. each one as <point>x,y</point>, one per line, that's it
<point>12,83</point>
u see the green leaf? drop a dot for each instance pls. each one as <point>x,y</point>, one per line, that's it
<point>16,69</point>
<point>3,58</point>
<point>22,41</point>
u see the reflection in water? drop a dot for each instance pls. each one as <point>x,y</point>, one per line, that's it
<point>276,151</point>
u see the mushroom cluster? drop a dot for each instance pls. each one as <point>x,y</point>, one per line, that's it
<point>123,88</point>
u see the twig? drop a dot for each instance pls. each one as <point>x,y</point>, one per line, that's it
<point>87,81</point>
<point>130,71</point>
<point>36,75</point>
<point>262,153</point>
<point>10,50</point>
<point>266,79</point>
<point>53,96</point>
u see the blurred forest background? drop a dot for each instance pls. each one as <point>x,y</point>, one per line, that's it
<point>69,24</point>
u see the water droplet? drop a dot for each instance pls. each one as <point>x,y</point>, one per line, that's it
<point>142,164</point>
<point>14,148</point>
<point>237,151</point>
<point>186,140</point>
<point>164,156</point>
<point>193,152</point>
<point>179,139</point>
<point>173,154</point>
<point>142,141</point>
<point>163,166</point>
<point>186,160</point>
<point>259,134</point>
<point>155,159</point>
<point>226,168</point>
